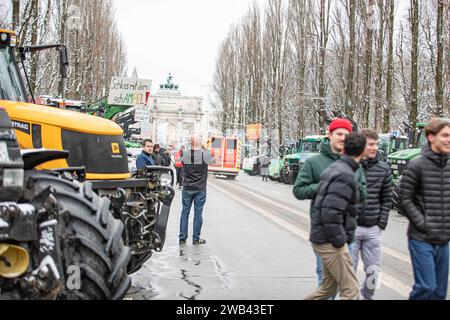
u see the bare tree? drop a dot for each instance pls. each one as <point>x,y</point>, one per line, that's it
<point>379,73</point>
<point>390,68</point>
<point>414,25</point>
<point>349,92</point>
<point>439,90</point>
<point>367,13</point>
<point>15,14</point>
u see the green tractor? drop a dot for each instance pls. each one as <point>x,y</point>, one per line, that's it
<point>277,164</point>
<point>306,148</point>
<point>391,143</point>
<point>398,160</point>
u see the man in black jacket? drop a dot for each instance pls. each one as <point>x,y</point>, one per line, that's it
<point>333,226</point>
<point>425,200</point>
<point>373,215</point>
<point>195,174</point>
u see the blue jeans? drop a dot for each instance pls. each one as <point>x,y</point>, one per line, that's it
<point>430,265</point>
<point>199,199</point>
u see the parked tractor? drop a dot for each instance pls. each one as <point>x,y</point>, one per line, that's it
<point>277,164</point>
<point>308,147</point>
<point>96,153</point>
<point>58,239</point>
<point>390,143</point>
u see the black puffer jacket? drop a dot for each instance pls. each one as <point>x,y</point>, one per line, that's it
<point>335,208</point>
<point>425,197</point>
<point>375,210</point>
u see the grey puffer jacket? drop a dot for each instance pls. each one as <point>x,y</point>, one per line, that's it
<point>336,204</point>
<point>425,197</point>
<point>375,209</point>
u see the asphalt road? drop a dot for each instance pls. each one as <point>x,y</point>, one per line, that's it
<point>257,249</point>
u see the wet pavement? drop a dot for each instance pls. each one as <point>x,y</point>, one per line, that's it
<point>246,257</point>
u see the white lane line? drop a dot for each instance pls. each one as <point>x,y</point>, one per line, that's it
<point>388,281</point>
<point>298,212</point>
<point>397,255</point>
<point>388,251</point>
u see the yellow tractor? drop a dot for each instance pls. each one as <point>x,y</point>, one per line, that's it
<point>96,160</point>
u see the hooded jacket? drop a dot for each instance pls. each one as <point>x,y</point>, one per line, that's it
<point>307,182</point>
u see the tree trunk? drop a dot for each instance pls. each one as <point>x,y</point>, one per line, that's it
<point>15,14</point>
<point>324,33</point>
<point>414,18</point>
<point>439,91</point>
<point>368,65</point>
<point>349,98</point>
<point>34,41</point>
<point>390,70</point>
<point>379,76</point>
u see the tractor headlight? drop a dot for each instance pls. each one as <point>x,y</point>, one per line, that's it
<point>165,180</point>
<point>13,41</point>
<point>13,178</point>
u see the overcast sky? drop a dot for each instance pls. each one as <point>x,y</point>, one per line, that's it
<point>176,36</point>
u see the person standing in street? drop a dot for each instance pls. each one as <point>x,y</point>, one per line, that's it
<point>334,223</point>
<point>373,215</point>
<point>195,175</point>
<point>145,157</point>
<point>157,156</point>
<point>179,166</point>
<point>425,200</point>
<point>264,168</point>
<point>307,182</point>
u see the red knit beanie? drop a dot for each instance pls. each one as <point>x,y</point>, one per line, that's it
<point>340,124</point>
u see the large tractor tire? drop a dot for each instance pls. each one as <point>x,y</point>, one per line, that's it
<point>90,238</point>
<point>283,177</point>
<point>290,177</point>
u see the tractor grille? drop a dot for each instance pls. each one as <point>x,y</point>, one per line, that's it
<point>99,154</point>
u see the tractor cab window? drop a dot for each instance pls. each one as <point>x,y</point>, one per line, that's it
<point>309,146</point>
<point>10,80</point>
<point>420,137</point>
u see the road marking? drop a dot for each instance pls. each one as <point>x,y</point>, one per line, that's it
<point>388,281</point>
<point>299,212</point>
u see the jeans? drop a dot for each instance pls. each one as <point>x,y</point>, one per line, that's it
<point>430,265</point>
<point>199,199</point>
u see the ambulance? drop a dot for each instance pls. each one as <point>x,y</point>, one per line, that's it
<point>226,151</point>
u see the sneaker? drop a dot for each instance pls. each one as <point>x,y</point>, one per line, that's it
<point>182,242</point>
<point>200,241</point>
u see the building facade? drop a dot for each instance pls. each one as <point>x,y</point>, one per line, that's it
<point>174,117</point>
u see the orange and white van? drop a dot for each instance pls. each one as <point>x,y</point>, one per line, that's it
<point>226,151</point>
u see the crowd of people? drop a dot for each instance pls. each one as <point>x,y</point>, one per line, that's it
<point>351,192</point>
<point>191,167</point>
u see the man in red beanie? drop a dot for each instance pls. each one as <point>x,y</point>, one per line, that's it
<point>308,179</point>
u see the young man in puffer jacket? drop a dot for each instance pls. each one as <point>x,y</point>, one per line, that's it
<point>373,214</point>
<point>334,222</point>
<point>425,200</point>
<point>308,179</point>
